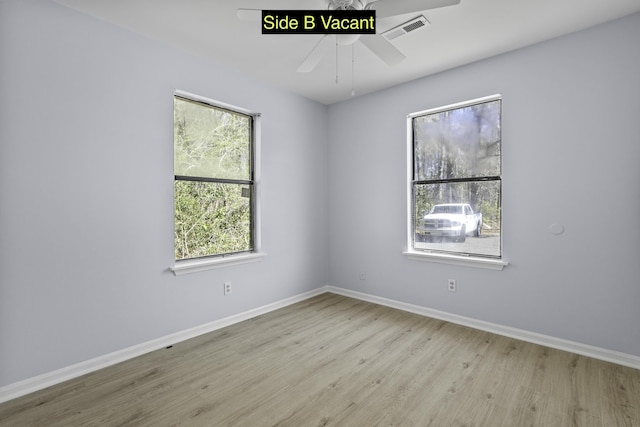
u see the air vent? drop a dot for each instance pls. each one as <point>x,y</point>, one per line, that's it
<point>406,28</point>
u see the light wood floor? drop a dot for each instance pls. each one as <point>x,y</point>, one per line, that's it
<point>336,361</point>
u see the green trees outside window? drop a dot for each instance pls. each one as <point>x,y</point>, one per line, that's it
<point>214,180</point>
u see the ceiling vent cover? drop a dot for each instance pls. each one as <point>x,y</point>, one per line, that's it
<point>406,28</point>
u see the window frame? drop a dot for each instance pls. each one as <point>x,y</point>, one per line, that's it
<point>254,254</point>
<point>454,258</point>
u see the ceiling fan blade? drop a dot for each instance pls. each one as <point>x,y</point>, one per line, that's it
<point>254,15</point>
<point>316,54</point>
<point>383,49</point>
<point>388,8</point>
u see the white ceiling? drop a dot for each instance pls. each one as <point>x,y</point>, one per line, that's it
<point>470,31</point>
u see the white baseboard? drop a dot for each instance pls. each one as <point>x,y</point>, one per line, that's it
<point>520,334</point>
<point>48,379</point>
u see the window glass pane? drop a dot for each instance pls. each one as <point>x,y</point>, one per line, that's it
<point>211,218</point>
<point>440,222</point>
<point>459,143</point>
<point>211,142</point>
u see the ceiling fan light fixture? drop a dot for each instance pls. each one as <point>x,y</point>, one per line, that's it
<point>347,39</point>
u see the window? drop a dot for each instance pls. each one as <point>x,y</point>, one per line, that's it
<point>455,179</point>
<point>214,187</point>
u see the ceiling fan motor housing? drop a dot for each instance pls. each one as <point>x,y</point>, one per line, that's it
<point>346,5</point>
<point>346,39</point>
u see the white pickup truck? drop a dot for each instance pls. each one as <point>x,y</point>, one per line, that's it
<point>450,220</point>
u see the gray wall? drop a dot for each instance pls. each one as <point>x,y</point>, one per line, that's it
<point>571,149</point>
<point>86,191</point>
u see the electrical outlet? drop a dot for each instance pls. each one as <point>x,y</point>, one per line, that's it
<point>227,288</point>
<point>451,285</point>
<point>363,275</point>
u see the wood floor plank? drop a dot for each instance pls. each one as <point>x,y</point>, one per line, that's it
<point>337,361</point>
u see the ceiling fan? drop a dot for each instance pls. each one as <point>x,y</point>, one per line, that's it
<point>377,44</point>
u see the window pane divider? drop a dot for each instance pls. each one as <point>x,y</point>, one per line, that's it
<point>453,180</point>
<point>216,180</point>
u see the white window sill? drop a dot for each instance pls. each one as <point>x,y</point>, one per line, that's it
<point>192,266</point>
<point>467,261</point>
